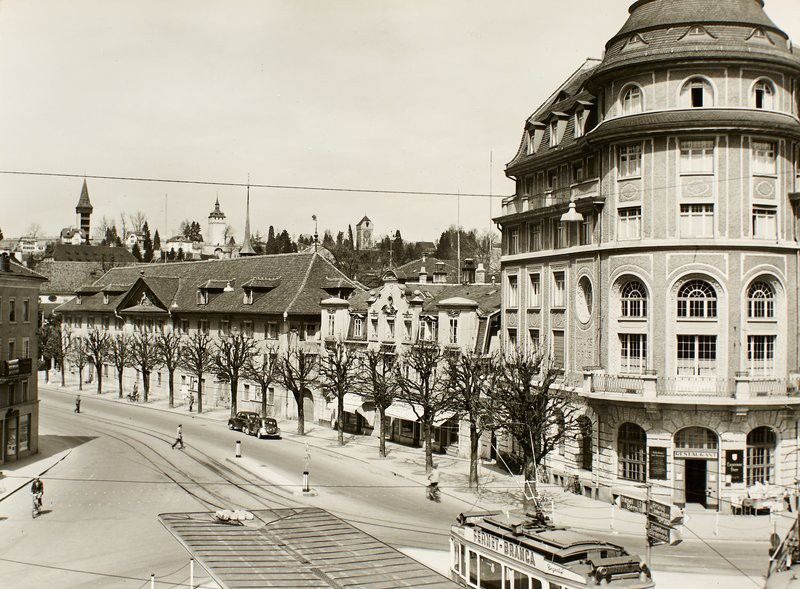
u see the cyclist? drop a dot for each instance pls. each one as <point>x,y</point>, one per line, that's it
<point>37,492</point>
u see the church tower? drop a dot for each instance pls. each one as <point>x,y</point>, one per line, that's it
<point>216,226</point>
<point>84,211</point>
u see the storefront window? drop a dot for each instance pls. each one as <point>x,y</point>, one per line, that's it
<point>24,433</point>
<point>632,452</point>
<point>11,437</point>
<point>761,456</point>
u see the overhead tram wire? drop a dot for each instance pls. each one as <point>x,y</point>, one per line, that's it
<point>199,182</point>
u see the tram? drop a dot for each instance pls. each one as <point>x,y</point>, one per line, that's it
<point>499,550</point>
<point>784,564</point>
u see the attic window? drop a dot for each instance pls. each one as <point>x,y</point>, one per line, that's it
<point>553,133</point>
<point>634,40</point>
<point>758,34</point>
<point>78,299</point>
<point>202,297</point>
<point>697,31</point>
<point>248,296</point>
<point>105,298</point>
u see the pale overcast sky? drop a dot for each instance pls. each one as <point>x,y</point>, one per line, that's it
<point>399,95</point>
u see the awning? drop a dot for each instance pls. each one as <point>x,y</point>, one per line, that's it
<point>353,403</point>
<point>401,411</point>
<point>299,547</point>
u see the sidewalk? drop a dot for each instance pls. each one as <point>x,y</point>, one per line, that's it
<point>20,474</point>
<point>498,489</point>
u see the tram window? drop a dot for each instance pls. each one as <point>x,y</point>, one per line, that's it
<point>517,580</point>
<point>491,574</point>
<point>473,568</point>
<point>457,557</point>
<point>554,586</point>
<point>462,560</point>
<point>536,584</point>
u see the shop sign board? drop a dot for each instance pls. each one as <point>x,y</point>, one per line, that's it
<point>702,453</point>
<point>632,504</point>
<point>734,465</point>
<point>659,512</point>
<point>658,533</point>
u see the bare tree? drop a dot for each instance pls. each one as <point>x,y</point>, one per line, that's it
<point>231,355</point>
<point>196,359</point>
<point>229,232</point>
<point>296,372</point>
<point>470,378</point>
<point>168,346</point>
<point>97,348</point>
<point>145,357</point>
<point>530,409</point>
<point>120,354</point>
<point>263,370</point>
<point>60,344</point>
<point>137,221</point>
<point>79,356</point>
<point>46,334</point>
<point>378,385</point>
<point>34,230</point>
<point>102,226</point>
<point>337,373</point>
<point>421,383</point>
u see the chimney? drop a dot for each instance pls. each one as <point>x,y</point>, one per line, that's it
<point>423,275</point>
<point>5,263</point>
<point>480,274</point>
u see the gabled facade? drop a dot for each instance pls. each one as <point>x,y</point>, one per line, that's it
<point>652,248</point>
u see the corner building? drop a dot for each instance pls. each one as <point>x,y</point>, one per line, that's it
<point>669,294</point>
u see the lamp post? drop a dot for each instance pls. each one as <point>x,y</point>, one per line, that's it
<point>316,235</point>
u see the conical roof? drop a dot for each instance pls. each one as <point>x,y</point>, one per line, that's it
<point>247,247</point>
<point>651,14</point>
<point>84,205</point>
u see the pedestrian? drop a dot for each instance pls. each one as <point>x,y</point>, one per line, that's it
<point>179,437</point>
<point>191,401</point>
<point>78,404</point>
<point>433,483</point>
<point>135,393</point>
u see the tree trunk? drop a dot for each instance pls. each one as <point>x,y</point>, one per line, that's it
<point>234,396</point>
<point>145,386</point>
<point>80,378</point>
<point>99,380</point>
<point>47,372</point>
<point>63,374</point>
<point>301,423</point>
<point>171,388</point>
<point>340,418</point>
<point>473,454</point>
<point>199,394</point>
<point>382,415</point>
<point>119,381</point>
<point>428,433</point>
<point>263,400</point>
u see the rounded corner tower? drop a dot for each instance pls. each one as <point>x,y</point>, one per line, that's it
<point>656,228</point>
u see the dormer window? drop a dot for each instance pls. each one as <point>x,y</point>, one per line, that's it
<point>760,35</point>
<point>764,95</point>
<point>580,122</point>
<point>248,296</point>
<point>202,297</point>
<point>78,299</point>
<point>105,298</point>
<point>529,139</point>
<point>553,133</point>
<point>635,40</point>
<point>696,31</point>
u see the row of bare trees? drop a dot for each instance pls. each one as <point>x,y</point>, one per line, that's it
<point>512,394</point>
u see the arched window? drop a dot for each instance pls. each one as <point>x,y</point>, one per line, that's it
<point>760,300</point>
<point>697,438</point>
<point>634,299</point>
<point>761,444</point>
<point>697,93</point>
<point>632,452</point>
<point>764,95</point>
<point>585,432</point>
<point>632,100</point>
<point>697,299</point>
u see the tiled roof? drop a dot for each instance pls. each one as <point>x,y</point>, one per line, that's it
<point>262,283</point>
<point>647,14</point>
<point>64,252</point>
<point>303,280</point>
<point>409,272</point>
<point>63,278</point>
<point>20,271</point>
<point>362,221</point>
<point>83,201</point>
<point>487,297</point>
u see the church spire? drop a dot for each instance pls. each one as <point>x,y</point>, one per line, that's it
<point>247,247</point>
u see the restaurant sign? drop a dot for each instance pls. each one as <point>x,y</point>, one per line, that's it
<point>701,453</point>
<point>519,553</point>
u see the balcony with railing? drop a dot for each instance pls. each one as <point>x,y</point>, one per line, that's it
<point>650,387</point>
<point>552,198</point>
<point>15,370</point>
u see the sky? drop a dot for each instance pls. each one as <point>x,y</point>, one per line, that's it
<point>408,95</point>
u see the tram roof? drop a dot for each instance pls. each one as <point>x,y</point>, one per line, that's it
<point>303,547</point>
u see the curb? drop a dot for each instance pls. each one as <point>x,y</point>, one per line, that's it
<point>27,480</point>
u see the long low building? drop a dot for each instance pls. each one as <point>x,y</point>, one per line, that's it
<point>275,299</point>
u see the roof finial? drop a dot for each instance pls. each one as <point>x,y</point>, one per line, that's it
<point>247,247</point>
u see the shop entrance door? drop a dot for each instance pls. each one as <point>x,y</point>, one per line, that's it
<point>696,473</point>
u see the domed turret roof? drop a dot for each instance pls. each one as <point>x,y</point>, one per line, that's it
<point>652,14</point>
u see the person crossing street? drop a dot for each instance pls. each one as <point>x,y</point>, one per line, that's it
<point>179,437</point>
<point>78,404</point>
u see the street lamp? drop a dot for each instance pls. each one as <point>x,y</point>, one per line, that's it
<point>572,215</point>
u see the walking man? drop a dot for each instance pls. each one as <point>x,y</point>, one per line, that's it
<point>191,401</point>
<point>178,437</point>
<point>78,404</point>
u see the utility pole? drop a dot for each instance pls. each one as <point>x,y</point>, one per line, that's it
<point>316,235</point>
<point>649,545</point>
<point>458,238</point>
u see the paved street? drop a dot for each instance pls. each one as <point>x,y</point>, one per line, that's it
<point>102,500</point>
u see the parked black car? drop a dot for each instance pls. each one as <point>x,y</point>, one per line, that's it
<point>241,420</point>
